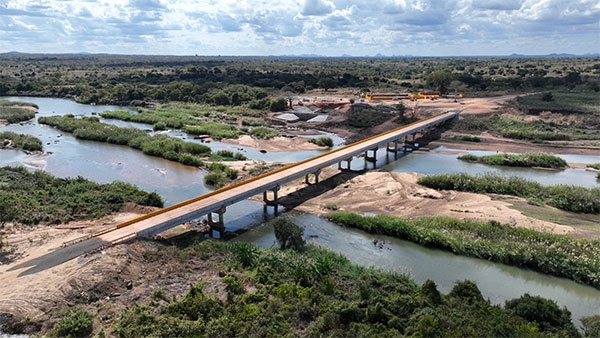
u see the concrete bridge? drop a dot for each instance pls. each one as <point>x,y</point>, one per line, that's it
<point>214,203</point>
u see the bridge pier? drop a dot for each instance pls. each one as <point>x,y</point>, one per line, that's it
<point>271,202</point>
<point>372,159</point>
<point>316,173</point>
<point>348,164</point>
<point>393,149</point>
<point>218,225</point>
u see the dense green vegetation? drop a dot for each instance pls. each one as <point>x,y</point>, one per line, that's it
<point>32,198</point>
<point>565,197</point>
<point>264,132</point>
<point>20,141</point>
<point>519,160</point>
<point>557,255</point>
<point>323,141</point>
<point>518,128</point>
<point>189,153</point>
<point>249,81</point>
<point>316,293</point>
<point>582,102</point>
<point>14,112</point>
<point>195,119</point>
<point>74,323</point>
<point>597,167</point>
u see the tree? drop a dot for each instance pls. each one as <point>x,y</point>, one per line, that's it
<point>326,83</point>
<point>279,104</point>
<point>547,97</point>
<point>544,312</point>
<point>440,79</point>
<point>288,234</point>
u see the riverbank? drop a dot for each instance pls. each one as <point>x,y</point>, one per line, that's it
<point>398,194</point>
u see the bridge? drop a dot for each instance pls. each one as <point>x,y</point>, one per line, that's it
<point>216,202</point>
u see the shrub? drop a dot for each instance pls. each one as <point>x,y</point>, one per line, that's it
<point>323,141</point>
<point>288,234</point>
<point>22,141</point>
<point>215,179</point>
<point>264,132</point>
<point>591,326</point>
<point>544,312</point>
<point>467,291</point>
<point>78,323</point>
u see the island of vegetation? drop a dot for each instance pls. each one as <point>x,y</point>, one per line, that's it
<point>519,160</point>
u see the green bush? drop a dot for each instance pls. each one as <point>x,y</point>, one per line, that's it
<point>13,112</point>
<point>323,141</point>
<point>78,323</point>
<point>215,179</point>
<point>527,160</point>
<point>22,141</point>
<point>32,198</point>
<point>264,132</point>
<point>288,234</point>
<point>320,294</point>
<point>544,312</point>
<point>591,326</point>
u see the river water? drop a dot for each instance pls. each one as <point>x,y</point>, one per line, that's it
<point>69,157</point>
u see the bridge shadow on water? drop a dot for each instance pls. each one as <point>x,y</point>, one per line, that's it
<point>300,196</point>
<point>59,256</point>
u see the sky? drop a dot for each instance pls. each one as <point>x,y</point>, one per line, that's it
<point>301,27</point>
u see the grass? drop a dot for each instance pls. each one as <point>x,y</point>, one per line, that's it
<point>557,216</point>
<point>32,198</point>
<point>557,255</point>
<point>527,160</point>
<point>565,197</point>
<point>534,131</point>
<point>570,102</point>
<point>21,141</point>
<point>15,112</point>
<point>323,141</point>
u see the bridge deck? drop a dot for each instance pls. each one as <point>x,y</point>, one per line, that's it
<point>174,215</point>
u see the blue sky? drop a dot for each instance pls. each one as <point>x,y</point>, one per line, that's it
<point>295,27</point>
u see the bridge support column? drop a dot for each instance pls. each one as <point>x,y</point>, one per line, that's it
<point>218,225</point>
<point>372,159</point>
<point>390,149</point>
<point>316,173</point>
<point>348,164</point>
<point>271,202</point>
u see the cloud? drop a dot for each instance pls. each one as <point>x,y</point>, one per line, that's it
<point>317,7</point>
<point>497,5</point>
<point>330,27</point>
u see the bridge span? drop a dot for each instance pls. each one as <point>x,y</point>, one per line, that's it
<point>215,202</point>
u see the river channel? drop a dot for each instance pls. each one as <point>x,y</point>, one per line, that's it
<point>68,157</point>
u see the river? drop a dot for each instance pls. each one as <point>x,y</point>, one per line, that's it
<point>68,157</point>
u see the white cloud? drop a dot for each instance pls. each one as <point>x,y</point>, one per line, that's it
<point>329,27</point>
<point>317,7</point>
